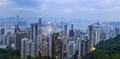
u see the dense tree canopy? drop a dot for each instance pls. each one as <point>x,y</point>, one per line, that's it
<point>109,49</point>
<point>10,53</point>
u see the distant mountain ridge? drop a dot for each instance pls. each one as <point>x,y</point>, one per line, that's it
<point>115,23</point>
<point>78,23</point>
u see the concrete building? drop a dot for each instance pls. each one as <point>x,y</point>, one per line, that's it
<point>29,48</point>
<point>71,49</point>
<point>98,35</point>
<point>24,47</point>
<point>56,46</point>
<point>34,37</point>
<point>90,37</point>
<point>117,31</point>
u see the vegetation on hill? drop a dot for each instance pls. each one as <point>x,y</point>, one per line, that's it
<point>109,49</point>
<point>9,53</point>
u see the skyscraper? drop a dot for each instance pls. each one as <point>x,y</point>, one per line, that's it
<point>117,30</point>
<point>83,48</point>
<point>34,31</point>
<point>9,38</point>
<point>18,40</point>
<point>90,37</point>
<point>56,46</point>
<point>79,53</point>
<point>4,40</point>
<point>40,34</point>
<point>65,30</point>
<point>71,49</point>
<point>24,47</point>
<point>40,26</point>
<point>64,37</point>
<point>47,46</point>
<point>103,35</point>
<point>87,45</point>
<point>33,50</point>
<point>2,31</point>
<point>71,31</point>
<point>29,48</point>
<point>98,33</point>
<point>17,34</point>
<point>34,36</point>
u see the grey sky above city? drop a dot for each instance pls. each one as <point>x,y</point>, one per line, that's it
<point>84,9</point>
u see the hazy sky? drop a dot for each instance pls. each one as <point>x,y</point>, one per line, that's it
<point>83,9</point>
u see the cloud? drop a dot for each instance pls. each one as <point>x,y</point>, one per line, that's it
<point>26,3</point>
<point>5,2</point>
<point>86,9</point>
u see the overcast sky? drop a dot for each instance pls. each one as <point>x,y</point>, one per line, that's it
<point>83,9</point>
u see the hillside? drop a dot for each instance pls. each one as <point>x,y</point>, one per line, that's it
<point>109,49</point>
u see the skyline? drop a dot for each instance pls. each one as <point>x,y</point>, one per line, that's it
<point>103,10</point>
<point>60,41</point>
<point>59,29</point>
